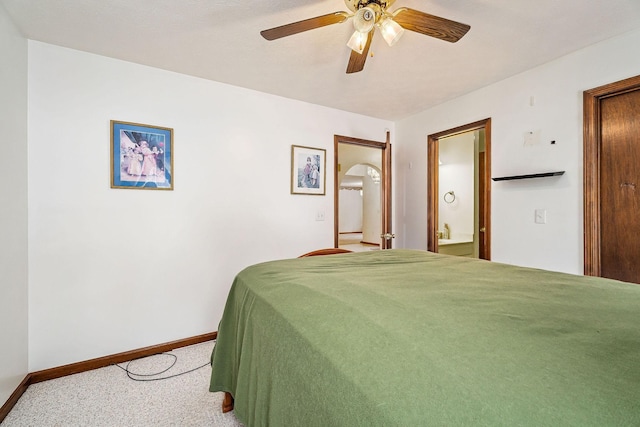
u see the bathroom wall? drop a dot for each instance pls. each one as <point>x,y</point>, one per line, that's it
<point>456,173</point>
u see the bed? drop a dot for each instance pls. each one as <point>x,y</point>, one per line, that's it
<point>408,338</point>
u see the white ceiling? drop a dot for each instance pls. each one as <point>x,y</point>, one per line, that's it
<point>220,40</point>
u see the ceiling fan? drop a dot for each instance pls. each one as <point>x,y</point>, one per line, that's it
<point>368,14</point>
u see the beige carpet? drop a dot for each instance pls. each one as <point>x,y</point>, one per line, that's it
<point>107,397</point>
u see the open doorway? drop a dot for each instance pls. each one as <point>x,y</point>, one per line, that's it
<point>459,192</point>
<point>360,225</point>
<point>362,194</point>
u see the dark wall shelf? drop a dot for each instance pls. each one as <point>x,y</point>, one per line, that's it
<point>533,175</point>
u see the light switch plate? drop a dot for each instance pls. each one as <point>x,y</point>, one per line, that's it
<point>531,138</point>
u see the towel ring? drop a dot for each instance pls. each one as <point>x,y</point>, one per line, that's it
<point>449,197</point>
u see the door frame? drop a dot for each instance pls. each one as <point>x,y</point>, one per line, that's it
<point>592,139</point>
<point>385,179</point>
<point>432,186</point>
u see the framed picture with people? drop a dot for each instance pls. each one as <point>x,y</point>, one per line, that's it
<point>141,156</point>
<point>308,167</point>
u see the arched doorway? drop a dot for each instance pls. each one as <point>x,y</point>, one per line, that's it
<point>348,152</point>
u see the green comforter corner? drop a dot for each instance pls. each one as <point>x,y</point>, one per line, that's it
<point>410,338</point>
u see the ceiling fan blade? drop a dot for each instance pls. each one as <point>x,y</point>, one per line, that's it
<point>430,25</point>
<point>357,60</point>
<point>306,25</point>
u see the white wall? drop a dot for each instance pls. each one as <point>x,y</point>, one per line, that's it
<point>556,115</point>
<point>350,202</point>
<point>113,270</point>
<point>371,209</point>
<point>13,208</point>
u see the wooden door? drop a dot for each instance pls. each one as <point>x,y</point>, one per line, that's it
<point>387,235</point>
<point>620,187</point>
<point>612,181</point>
<point>483,245</point>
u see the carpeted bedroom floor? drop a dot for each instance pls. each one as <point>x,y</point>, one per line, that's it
<point>108,397</point>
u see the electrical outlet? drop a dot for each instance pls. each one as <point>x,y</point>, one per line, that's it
<point>320,216</point>
<point>541,216</point>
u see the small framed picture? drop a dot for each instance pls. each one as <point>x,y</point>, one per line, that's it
<point>141,156</point>
<point>308,170</point>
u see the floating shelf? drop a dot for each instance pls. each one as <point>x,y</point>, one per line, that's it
<point>533,175</point>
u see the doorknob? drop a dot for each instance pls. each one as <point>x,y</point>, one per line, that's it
<point>388,236</point>
<point>482,229</point>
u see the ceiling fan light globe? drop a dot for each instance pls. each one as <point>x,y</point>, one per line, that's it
<point>364,19</point>
<point>391,31</point>
<point>357,41</point>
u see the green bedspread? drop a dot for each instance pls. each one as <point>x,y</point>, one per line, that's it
<point>411,338</point>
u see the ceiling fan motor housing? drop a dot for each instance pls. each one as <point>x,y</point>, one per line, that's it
<point>355,5</point>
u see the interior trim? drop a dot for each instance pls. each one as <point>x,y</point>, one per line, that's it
<point>100,362</point>
<point>15,396</point>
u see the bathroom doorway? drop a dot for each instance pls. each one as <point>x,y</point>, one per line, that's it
<point>458,189</point>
